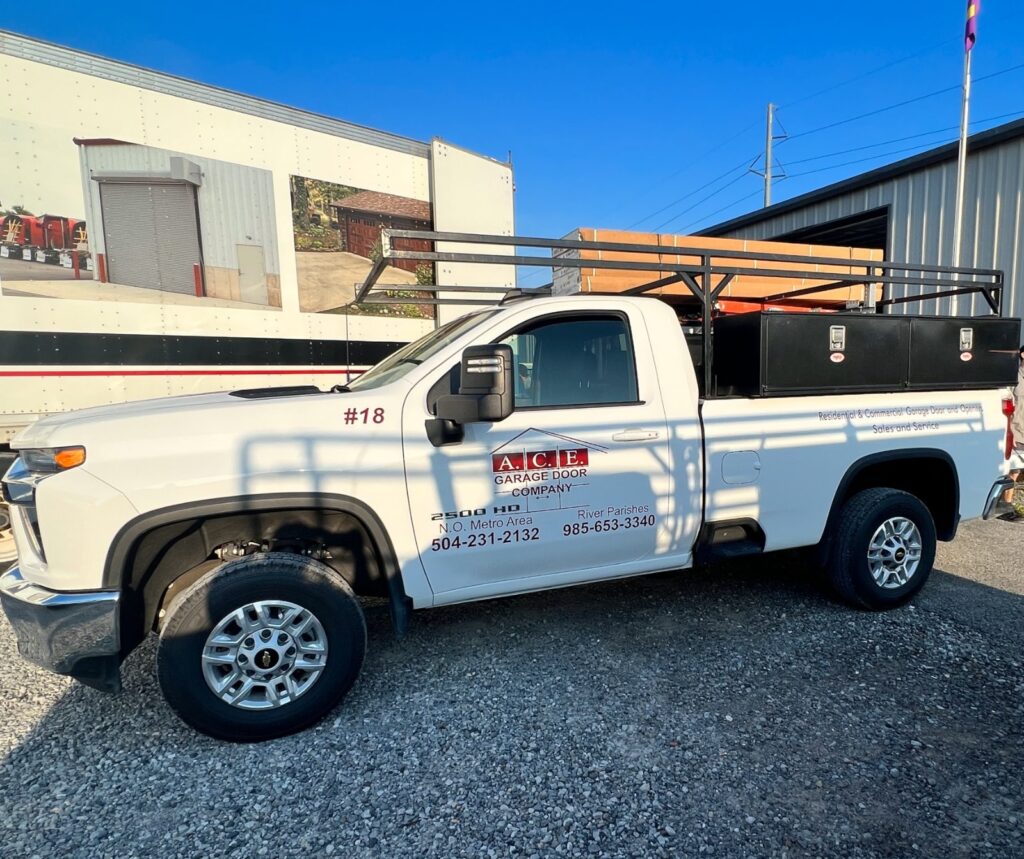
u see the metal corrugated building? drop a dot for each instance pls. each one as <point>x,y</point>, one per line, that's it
<point>906,209</point>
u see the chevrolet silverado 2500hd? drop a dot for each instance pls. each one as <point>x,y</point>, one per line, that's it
<point>535,444</point>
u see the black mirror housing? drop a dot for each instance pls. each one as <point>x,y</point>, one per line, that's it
<point>487,386</point>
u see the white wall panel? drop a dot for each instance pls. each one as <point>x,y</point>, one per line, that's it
<point>100,98</point>
<point>471,195</point>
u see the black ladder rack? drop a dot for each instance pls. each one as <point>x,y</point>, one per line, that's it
<point>713,270</point>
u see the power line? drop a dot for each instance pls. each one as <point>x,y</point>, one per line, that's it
<point>702,200</point>
<point>872,146</point>
<point>901,103</point>
<point>703,218</point>
<point>918,148</point>
<point>870,72</point>
<point>742,131</point>
<point>874,112</point>
<point>671,176</point>
<point>533,272</point>
<point>740,167</point>
<point>729,172</point>
<point>948,128</point>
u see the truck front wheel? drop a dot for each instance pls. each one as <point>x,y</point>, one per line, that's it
<point>883,549</point>
<point>261,647</point>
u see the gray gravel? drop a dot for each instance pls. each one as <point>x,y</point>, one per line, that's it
<point>737,712</point>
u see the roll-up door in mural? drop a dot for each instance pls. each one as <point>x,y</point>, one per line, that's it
<point>151,233</point>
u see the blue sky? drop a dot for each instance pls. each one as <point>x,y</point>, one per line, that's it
<point>612,111</point>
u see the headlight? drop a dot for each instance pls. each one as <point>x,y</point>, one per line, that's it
<point>53,459</point>
<point>34,465</point>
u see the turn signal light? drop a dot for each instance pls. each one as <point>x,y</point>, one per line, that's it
<point>69,457</point>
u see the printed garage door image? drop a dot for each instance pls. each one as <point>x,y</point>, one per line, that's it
<point>151,233</point>
<point>174,228</point>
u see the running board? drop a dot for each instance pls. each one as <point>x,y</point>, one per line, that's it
<point>736,538</point>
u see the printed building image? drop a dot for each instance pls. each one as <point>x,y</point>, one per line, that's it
<point>336,230</point>
<point>362,215</point>
<point>180,224</point>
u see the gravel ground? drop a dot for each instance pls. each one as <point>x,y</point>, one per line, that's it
<point>737,712</point>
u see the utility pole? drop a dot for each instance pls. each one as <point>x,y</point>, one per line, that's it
<point>768,173</point>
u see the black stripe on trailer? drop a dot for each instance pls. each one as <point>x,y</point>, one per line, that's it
<point>37,349</point>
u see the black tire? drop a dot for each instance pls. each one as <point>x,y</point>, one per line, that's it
<point>272,576</point>
<point>848,568</point>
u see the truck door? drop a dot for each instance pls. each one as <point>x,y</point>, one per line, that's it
<point>575,481</point>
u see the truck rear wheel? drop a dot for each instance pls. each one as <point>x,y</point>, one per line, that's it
<point>261,647</point>
<point>883,549</point>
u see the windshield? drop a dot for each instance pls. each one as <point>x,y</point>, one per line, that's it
<point>401,362</point>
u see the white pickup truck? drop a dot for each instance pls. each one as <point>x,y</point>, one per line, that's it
<point>535,444</point>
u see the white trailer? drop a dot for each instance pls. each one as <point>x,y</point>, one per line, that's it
<point>214,257</point>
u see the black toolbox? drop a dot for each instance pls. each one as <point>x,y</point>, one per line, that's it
<point>957,353</point>
<point>772,354</point>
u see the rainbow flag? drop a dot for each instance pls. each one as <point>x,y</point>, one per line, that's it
<point>971,29</point>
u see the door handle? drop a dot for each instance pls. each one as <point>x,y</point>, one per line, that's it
<point>636,435</point>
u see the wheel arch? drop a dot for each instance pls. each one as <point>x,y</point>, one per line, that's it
<point>930,474</point>
<point>157,548</point>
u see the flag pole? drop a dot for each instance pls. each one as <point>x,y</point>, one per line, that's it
<point>961,167</point>
<point>970,37</point>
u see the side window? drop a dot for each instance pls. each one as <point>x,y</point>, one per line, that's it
<point>582,361</point>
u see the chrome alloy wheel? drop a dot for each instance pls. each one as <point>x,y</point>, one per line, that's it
<point>895,552</point>
<point>264,655</point>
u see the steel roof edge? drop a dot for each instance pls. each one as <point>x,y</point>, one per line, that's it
<point>72,59</point>
<point>945,152</point>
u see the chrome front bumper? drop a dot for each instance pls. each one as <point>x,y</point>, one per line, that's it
<point>995,493</point>
<point>70,633</point>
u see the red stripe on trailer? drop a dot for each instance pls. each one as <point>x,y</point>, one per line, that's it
<point>101,264</point>
<point>197,277</point>
<point>180,372</point>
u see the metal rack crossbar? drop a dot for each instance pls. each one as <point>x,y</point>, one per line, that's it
<point>705,277</point>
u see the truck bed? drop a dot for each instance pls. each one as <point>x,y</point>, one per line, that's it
<point>780,461</point>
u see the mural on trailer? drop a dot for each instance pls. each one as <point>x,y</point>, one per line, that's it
<point>119,221</point>
<point>337,240</point>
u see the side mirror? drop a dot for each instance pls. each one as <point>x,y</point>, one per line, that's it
<point>487,387</point>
